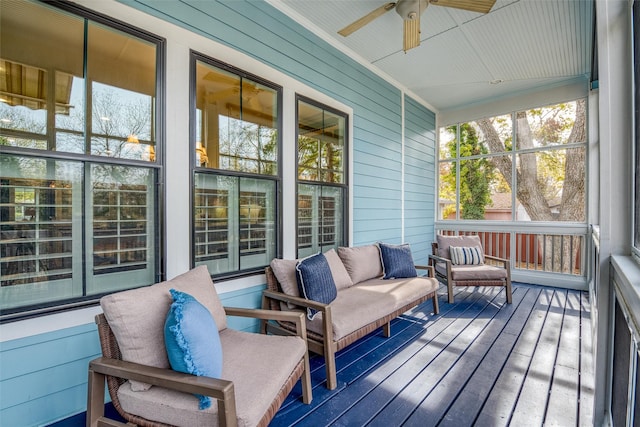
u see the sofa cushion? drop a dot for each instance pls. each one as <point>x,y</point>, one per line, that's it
<point>285,272</point>
<point>368,301</point>
<point>397,261</point>
<point>362,262</point>
<point>257,377</point>
<point>340,274</point>
<point>445,241</point>
<point>192,340</point>
<point>137,316</point>
<point>315,281</point>
<point>473,272</point>
<point>461,255</point>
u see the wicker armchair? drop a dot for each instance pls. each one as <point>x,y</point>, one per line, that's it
<point>173,389</point>
<point>498,273</point>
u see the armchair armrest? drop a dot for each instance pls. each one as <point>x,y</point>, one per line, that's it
<point>505,262</point>
<point>429,268</point>
<point>303,302</point>
<point>221,390</point>
<point>325,309</point>
<point>287,316</point>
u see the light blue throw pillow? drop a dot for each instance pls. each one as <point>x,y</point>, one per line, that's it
<point>397,261</point>
<point>315,281</point>
<point>192,340</point>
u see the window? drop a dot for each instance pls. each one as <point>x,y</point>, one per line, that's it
<point>636,89</point>
<point>236,142</point>
<point>322,186</point>
<point>78,175</point>
<point>480,166</point>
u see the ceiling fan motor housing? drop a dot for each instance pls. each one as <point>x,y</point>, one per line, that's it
<point>411,9</point>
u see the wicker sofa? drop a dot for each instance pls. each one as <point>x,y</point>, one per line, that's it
<point>365,300</point>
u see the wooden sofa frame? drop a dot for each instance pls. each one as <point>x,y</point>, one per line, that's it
<point>110,368</point>
<point>323,344</point>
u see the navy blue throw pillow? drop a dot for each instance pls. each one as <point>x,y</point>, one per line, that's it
<point>397,261</point>
<point>315,281</point>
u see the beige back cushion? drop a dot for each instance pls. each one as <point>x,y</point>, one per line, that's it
<point>137,317</point>
<point>361,262</point>
<point>285,272</point>
<point>338,271</point>
<point>444,242</point>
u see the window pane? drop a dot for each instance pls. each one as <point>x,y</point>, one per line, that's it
<point>47,77</point>
<point>554,125</point>
<point>257,222</point>
<point>321,144</point>
<point>636,78</point>
<point>448,141</point>
<point>495,134</point>
<point>320,218</point>
<point>123,75</point>
<point>236,122</point>
<point>123,202</point>
<point>447,205</point>
<point>26,77</point>
<point>551,185</point>
<point>235,222</point>
<point>484,192</point>
<point>40,226</point>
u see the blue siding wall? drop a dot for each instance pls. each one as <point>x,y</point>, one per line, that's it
<point>43,377</point>
<point>419,178</point>
<point>248,26</point>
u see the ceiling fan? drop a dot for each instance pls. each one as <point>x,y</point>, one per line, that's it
<point>410,11</point>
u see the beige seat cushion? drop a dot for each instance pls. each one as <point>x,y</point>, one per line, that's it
<point>368,301</point>
<point>361,262</point>
<point>473,272</point>
<point>257,378</point>
<point>137,317</point>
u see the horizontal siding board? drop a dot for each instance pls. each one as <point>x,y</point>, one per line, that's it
<point>44,410</point>
<point>42,383</point>
<point>23,359</point>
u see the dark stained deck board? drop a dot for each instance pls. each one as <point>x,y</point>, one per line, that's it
<point>366,371</point>
<point>465,394</point>
<point>479,362</point>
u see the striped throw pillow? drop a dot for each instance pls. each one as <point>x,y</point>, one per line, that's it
<point>461,255</point>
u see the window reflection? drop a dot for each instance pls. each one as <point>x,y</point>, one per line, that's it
<point>236,122</point>
<point>48,78</point>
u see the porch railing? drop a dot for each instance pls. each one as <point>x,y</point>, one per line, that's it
<point>548,254</point>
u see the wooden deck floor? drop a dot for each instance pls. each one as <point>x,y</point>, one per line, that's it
<point>479,362</point>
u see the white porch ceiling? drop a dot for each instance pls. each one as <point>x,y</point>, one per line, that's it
<point>524,44</point>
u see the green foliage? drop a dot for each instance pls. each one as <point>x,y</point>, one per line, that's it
<point>476,175</point>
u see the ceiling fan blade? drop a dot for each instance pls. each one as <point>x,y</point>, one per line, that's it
<point>481,6</point>
<point>411,36</point>
<point>356,25</point>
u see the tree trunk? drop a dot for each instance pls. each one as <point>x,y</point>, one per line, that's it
<point>530,191</point>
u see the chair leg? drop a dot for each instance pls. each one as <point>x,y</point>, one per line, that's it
<point>307,394</point>
<point>508,291</point>
<point>450,291</point>
<point>95,398</point>
<point>386,329</point>
<point>436,307</point>
<point>330,364</point>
